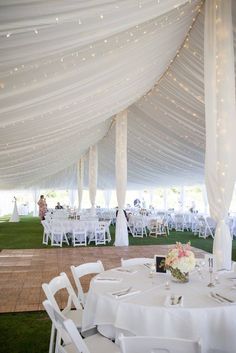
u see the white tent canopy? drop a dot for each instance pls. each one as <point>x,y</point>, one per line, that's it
<point>68,67</point>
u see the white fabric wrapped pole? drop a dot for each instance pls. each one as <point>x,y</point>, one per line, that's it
<point>93,167</point>
<point>15,215</point>
<point>80,179</point>
<point>121,178</point>
<point>220,122</point>
<point>205,199</point>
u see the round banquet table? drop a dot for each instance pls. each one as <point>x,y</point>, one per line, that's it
<point>148,311</point>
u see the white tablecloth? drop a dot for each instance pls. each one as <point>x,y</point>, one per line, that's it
<point>146,314</point>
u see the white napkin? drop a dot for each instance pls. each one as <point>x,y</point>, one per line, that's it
<point>174,301</point>
<point>107,279</point>
<point>124,270</point>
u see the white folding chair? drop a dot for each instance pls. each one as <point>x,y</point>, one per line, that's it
<point>141,344</point>
<point>139,229</point>
<point>69,339</point>
<point>106,225</point>
<point>136,261</point>
<point>158,227</point>
<point>79,234</point>
<point>58,234</point>
<point>51,289</point>
<point>92,344</point>
<point>46,232</point>
<point>100,235</point>
<point>83,270</point>
<point>179,222</point>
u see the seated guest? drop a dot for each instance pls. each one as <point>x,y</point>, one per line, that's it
<point>58,206</point>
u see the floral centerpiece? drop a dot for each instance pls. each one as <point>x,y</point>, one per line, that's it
<point>180,261</point>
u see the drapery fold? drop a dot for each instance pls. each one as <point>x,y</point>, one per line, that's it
<point>93,169</point>
<point>121,238</point>
<point>80,180</point>
<point>220,122</point>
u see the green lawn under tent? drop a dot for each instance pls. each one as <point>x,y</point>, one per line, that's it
<point>27,234</point>
<point>29,332</point>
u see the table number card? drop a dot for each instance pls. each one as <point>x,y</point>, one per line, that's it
<point>159,259</point>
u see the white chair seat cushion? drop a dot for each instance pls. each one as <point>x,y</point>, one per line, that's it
<point>99,344</point>
<point>76,316</point>
<point>96,344</point>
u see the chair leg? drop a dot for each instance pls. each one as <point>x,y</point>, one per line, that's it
<point>52,339</point>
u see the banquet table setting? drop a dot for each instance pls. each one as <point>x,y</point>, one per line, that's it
<point>137,301</point>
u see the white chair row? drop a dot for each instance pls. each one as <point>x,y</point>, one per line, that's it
<point>79,232</point>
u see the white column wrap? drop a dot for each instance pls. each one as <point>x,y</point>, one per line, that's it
<point>220,121</point>
<point>121,178</point>
<point>205,199</point>
<point>93,166</point>
<point>80,180</point>
<point>15,215</point>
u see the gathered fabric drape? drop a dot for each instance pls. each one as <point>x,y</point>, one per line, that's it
<point>220,122</point>
<point>80,180</point>
<point>93,169</point>
<point>121,178</point>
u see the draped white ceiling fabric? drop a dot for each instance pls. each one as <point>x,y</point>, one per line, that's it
<point>68,67</point>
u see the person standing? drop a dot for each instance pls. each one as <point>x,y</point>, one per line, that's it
<point>42,207</point>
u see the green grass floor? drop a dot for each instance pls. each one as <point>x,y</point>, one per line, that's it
<point>30,332</point>
<point>24,332</point>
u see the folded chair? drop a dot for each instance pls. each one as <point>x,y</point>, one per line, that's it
<point>53,288</point>
<point>69,339</point>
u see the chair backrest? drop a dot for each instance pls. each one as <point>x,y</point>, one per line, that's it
<point>79,344</point>
<point>136,261</point>
<point>57,320</point>
<point>140,344</point>
<point>83,270</point>
<point>46,226</point>
<point>67,332</point>
<point>55,285</point>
